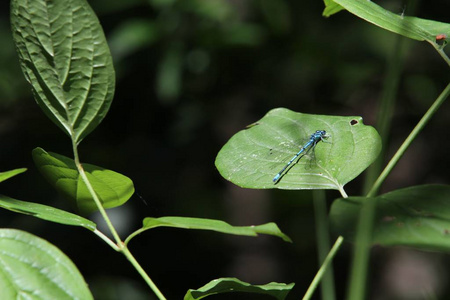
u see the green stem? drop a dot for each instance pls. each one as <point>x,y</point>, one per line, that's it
<point>94,194</point>
<point>132,235</point>
<point>119,246</point>
<point>440,50</point>
<point>323,268</point>
<point>106,240</point>
<point>342,191</point>
<point>361,254</point>
<point>442,97</point>
<point>142,272</point>
<point>323,242</point>
<point>365,225</point>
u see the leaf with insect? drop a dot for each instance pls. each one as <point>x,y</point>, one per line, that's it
<point>253,156</point>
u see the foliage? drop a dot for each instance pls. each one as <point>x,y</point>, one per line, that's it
<point>112,188</point>
<point>416,216</point>
<point>66,60</point>
<point>35,269</point>
<point>250,158</point>
<point>233,285</point>
<point>65,57</point>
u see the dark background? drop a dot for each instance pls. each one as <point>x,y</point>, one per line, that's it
<point>190,74</point>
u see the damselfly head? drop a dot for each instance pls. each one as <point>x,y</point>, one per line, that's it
<point>320,133</point>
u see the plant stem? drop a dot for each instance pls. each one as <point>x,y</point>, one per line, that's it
<point>94,194</point>
<point>342,191</point>
<point>441,51</point>
<point>132,235</point>
<point>323,242</point>
<point>142,272</point>
<point>361,255</point>
<point>119,246</point>
<point>442,97</point>
<point>323,268</point>
<point>106,239</point>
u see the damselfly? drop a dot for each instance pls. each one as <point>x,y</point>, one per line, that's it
<point>319,135</point>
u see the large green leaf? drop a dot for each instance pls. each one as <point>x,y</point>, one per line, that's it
<point>232,285</point>
<point>112,188</point>
<point>65,57</point>
<point>32,268</point>
<point>417,216</point>
<point>209,224</point>
<point>253,156</point>
<point>45,212</point>
<point>411,27</point>
<point>8,174</point>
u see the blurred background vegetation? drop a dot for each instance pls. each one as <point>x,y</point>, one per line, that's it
<point>190,74</point>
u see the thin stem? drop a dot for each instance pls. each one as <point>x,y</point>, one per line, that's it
<point>142,272</point>
<point>440,50</point>
<point>132,235</point>
<point>94,194</point>
<point>119,246</point>
<point>361,254</point>
<point>106,239</point>
<point>323,242</point>
<point>342,191</point>
<point>442,97</point>
<point>323,268</point>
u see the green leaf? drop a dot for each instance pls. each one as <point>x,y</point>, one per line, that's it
<point>45,212</point>
<point>252,157</point>
<point>411,27</point>
<point>229,285</point>
<point>8,174</point>
<point>209,224</point>
<point>32,268</point>
<point>331,8</point>
<point>416,216</point>
<point>112,188</point>
<point>65,57</point>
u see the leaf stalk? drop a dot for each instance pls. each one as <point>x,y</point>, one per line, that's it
<point>426,117</point>
<point>120,246</point>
